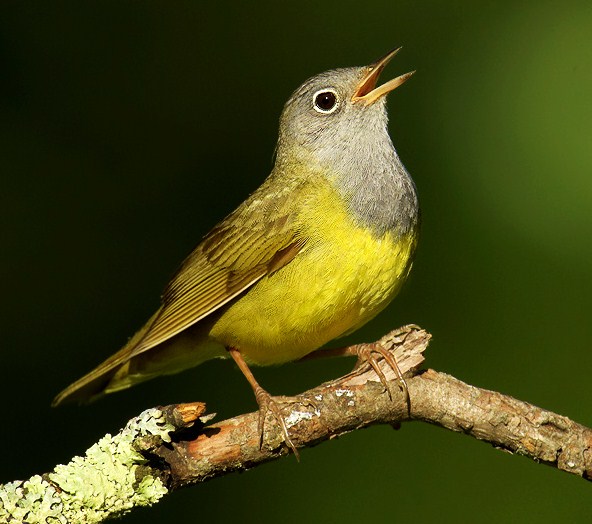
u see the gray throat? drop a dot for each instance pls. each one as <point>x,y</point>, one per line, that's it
<point>379,191</point>
<point>384,198</point>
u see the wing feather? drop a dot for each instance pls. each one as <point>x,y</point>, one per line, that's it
<point>257,239</point>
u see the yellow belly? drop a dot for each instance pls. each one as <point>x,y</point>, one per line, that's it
<point>343,277</point>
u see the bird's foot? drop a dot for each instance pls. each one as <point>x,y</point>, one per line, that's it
<point>267,403</point>
<point>367,358</point>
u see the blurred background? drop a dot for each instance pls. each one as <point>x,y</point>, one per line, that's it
<point>128,129</point>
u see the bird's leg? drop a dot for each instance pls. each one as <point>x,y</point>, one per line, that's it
<point>265,400</point>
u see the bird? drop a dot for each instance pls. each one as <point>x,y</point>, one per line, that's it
<point>319,249</point>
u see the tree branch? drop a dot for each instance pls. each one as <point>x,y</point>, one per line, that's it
<point>171,447</point>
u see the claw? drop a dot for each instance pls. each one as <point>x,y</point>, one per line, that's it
<point>366,356</point>
<point>268,403</point>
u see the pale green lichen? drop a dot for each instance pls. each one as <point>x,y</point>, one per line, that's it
<point>92,488</point>
<point>32,501</point>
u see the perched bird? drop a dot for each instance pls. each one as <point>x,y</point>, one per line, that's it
<point>317,251</point>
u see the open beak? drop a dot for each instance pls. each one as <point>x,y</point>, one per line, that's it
<point>367,92</point>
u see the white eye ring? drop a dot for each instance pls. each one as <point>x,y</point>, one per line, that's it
<point>327,105</point>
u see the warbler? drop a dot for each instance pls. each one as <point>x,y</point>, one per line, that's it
<point>317,251</point>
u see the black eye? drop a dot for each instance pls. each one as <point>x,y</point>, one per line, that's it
<point>325,101</point>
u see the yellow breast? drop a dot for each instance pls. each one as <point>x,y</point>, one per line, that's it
<point>344,276</point>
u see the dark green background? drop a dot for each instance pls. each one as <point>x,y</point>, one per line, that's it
<point>127,129</point>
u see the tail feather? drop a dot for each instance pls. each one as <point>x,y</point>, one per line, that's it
<point>93,385</point>
<point>128,367</point>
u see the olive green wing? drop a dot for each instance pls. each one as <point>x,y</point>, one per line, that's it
<point>229,260</point>
<point>254,241</point>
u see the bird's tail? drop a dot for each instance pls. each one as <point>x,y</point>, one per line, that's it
<point>128,367</point>
<point>95,384</point>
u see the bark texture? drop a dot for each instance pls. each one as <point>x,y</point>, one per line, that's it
<point>170,447</point>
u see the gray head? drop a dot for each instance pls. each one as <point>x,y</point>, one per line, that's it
<point>338,110</point>
<point>338,119</point>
